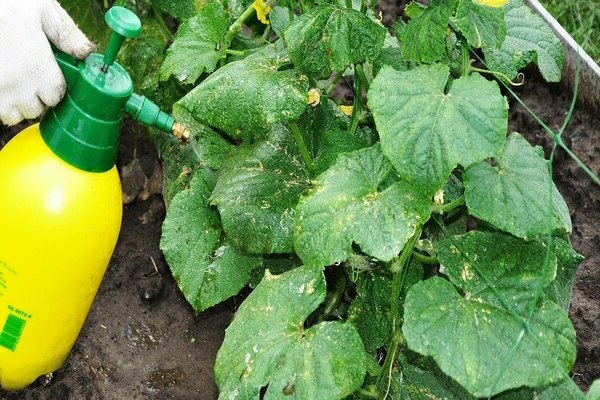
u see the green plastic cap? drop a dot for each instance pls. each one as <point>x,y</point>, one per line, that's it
<point>83,129</point>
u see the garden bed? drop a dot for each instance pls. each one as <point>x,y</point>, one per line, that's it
<point>142,340</point>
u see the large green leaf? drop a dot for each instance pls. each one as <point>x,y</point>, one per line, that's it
<point>207,269</point>
<point>517,195</point>
<point>198,45</point>
<point>355,201</point>
<point>426,130</point>
<point>370,311</point>
<point>329,38</point>
<point>421,379</point>
<point>267,346</point>
<point>245,98</point>
<point>594,392</point>
<point>565,389</point>
<point>258,192</point>
<point>528,38</point>
<point>489,327</point>
<point>424,38</point>
<point>568,260</point>
<point>483,27</point>
<point>206,149</point>
<point>180,9</point>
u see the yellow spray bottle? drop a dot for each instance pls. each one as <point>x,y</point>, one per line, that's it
<point>60,208</point>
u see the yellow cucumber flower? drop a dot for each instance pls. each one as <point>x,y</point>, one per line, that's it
<point>314,97</point>
<point>347,110</point>
<point>492,3</point>
<point>262,9</point>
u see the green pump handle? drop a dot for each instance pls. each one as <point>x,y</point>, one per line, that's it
<point>83,129</point>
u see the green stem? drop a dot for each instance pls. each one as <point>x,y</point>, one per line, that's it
<point>398,282</point>
<point>360,73</point>
<point>349,4</point>
<point>301,146</point>
<point>336,297</point>
<point>445,208</point>
<point>333,83</point>
<point>423,259</point>
<point>466,60</point>
<point>237,25</point>
<point>357,106</point>
<point>496,74</point>
<point>235,52</point>
<point>266,33</point>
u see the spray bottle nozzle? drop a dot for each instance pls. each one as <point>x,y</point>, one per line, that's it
<point>124,24</point>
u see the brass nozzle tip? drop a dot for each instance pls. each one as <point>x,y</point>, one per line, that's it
<point>180,132</point>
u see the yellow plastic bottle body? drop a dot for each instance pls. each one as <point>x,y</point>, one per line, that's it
<point>58,229</point>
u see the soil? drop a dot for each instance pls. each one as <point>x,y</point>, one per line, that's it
<point>141,339</point>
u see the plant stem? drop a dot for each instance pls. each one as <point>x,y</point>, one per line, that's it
<point>397,286</point>
<point>466,60</point>
<point>336,79</point>
<point>423,259</point>
<point>301,146</point>
<point>338,293</point>
<point>237,25</point>
<point>357,106</point>
<point>445,208</point>
<point>235,52</point>
<point>360,73</point>
<point>349,4</point>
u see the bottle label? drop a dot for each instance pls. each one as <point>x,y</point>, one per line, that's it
<point>15,321</point>
<point>12,331</point>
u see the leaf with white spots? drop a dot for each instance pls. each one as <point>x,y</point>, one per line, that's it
<point>247,97</point>
<point>257,194</point>
<point>330,38</point>
<point>207,269</point>
<point>358,201</point>
<point>267,345</point>
<point>490,327</point>
<point>528,38</point>
<point>517,195</point>
<point>427,129</point>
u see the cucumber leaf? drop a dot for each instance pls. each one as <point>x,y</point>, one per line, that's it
<point>258,192</point>
<point>207,269</point>
<point>329,38</point>
<point>489,327</point>
<point>528,38</point>
<point>517,196</point>
<point>565,389</point>
<point>267,345</point>
<point>198,46</point>
<point>426,131</point>
<point>355,201</point>
<point>181,9</point>
<point>483,27</point>
<point>370,311</point>
<point>424,38</point>
<point>568,260</point>
<point>247,97</point>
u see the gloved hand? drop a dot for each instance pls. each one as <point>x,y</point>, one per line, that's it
<point>30,79</point>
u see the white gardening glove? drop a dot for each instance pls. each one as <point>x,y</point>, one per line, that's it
<point>30,79</point>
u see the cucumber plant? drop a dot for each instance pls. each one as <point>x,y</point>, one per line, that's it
<point>402,246</point>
